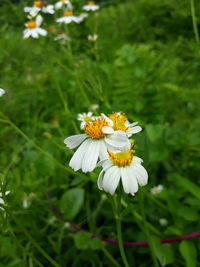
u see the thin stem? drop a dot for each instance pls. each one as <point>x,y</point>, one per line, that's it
<point>194,21</point>
<point>110,257</point>
<point>117,208</point>
<point>146,229</point>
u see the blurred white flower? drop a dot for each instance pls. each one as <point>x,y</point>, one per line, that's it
<point>91,6</point>
<point>62,37</point>
<point>124,166</point>
<point>2,92</point>
<point>92,37</point>
<point>156,189</point>
<point>163,221</point>
<point>37,7</point>
<point>2,202</point>
<point>63,3</point>
<point>84,118</point>
<point>94,106</point>
<point>68,18</point>
<point>99,135</point>
<point>33,28</point>
<point>25,201</point>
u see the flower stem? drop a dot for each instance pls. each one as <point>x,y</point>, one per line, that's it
<point>146,230</point>
<point>194,21</point>
<point>117,208</point>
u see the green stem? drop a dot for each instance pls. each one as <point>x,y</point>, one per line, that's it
<point>146,229</point>
<point>110,257</point>
<point>194,21</point>
<point>117,208</point>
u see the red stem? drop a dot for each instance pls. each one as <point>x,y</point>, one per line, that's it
<point>76,228</point>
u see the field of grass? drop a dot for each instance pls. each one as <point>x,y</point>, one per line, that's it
<point>146,64</point>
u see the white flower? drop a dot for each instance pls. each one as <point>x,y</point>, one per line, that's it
<point>156,189</point>
<point>92,38</point>
<point>2,202</point>
<point>68,18</point>
<point>121,123</point>
<point>33,28</point>
<point>90,6</point>
<point>63,3</point>
<point>124,166</point>
<point>62,37</point>
<point>84,118</point>
<point>99,135</point>
<point>94,106</point>
<point>2,91</point>
<point>37,7</point>
<point>163,221</point>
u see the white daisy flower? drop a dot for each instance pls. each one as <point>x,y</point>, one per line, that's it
<point>94,106</point>
<point>156,189</point>
<point>99,135</point>
<point>2,92</point>
<point>68,18</point>
<point>92,37</point>
<point>85,118</point>
<point>121,123</point>
<point>2,202</point>
<point>63,3</point>
<point>33,28</point>
<point>124,166</point>
<point>39,6</point>
<point>62,37</point>
<point>91,6</point>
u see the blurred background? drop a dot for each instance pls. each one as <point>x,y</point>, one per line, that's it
<point>145,63</point>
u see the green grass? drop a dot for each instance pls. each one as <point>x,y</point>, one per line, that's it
<point>145,63</point>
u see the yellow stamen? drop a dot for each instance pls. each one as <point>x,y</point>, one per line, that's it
<point>121,159</point>
<point>38,4</point>
<point>91,3</point>
<point>31,24</point>
<point>87,118</point>
<point>94,129</point>
<point>68,13</point>
<point>119,121</point>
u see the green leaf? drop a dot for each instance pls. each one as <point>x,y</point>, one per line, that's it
<point>154,131</point>
<point>71,202</point>
<point>189,253</point>
<point>188,185</point>
<point>163,252</point>
<point>82,240</point>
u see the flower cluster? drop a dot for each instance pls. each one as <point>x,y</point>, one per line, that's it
<point>107,139</point>
<point>35,12</point>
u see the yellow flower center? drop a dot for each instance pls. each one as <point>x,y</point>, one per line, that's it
<point>68,13</point>
<point>94,129</point>
<point>38,4</point>
<point>155,190</point>
<point>121,159</point>
<point>31,24</point>
<point>119,121</point>
<point>91,3</point>
<point>87,118</point>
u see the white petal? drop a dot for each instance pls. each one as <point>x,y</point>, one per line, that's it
<point>125,180</point>
<point>99,181</point>
<point>107,130</point>
<point>91,156</point>
<point>42,31</point>
<point>137,159</point>
<point>117,139</point>
<point>128,124</point>
<point>134,130</point>
<point>26,33</point>
<point>76,161</point>
<point>103,153</point>
<point>140,173</point>
<point>74,140</point>
<point>133,184</point>
<point>111,179</point>
<point>34,33</point>
<point>58,5</point>
<point>39,20</point>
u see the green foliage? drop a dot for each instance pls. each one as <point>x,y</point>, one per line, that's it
<point>145,63</point>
